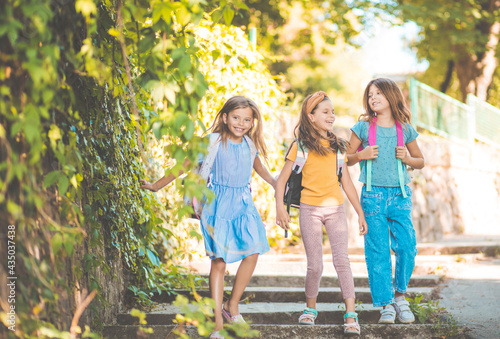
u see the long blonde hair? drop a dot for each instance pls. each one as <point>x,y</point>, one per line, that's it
<point>394,96</point>
<point>310,137</point>
<point>256,131</point>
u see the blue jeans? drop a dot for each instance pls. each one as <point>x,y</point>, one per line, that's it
<point>388,215</point>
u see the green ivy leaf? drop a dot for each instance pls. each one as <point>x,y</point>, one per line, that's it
<point>153,257</point>
<point>86,7</point>
<point>57,241</point>
<point>217,15</point>
<point>189,130</point>
<point>228,15</point>
<point>185,64</point>
<point>63,184</point>
<point>50,179</point>
<point>69,242</point>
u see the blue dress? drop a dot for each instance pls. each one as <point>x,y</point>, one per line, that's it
<point>231,225</point>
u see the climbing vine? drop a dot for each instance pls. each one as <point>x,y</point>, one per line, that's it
<point>82,85</point>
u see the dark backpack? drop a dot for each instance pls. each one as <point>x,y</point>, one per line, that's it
<point>293,187</point>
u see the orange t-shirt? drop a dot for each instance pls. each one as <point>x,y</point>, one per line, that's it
<point>319,178</point>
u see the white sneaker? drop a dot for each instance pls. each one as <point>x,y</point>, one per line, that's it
<point>402,307</point>
<point>388,315</point>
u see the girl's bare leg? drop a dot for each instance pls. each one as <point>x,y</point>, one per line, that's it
<point>243,276</point>
<point>350,306</point>
<point>217,269</point>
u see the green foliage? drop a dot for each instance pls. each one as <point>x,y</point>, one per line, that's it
<point>141,316</point>
<point>423,311</point>
<point>457,36</point>
<point>200,313</point>
<point>445,325</point>
<point>301,39</point>
<point>81,86</point>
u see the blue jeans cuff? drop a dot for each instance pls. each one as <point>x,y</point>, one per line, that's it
<point>383,303</point>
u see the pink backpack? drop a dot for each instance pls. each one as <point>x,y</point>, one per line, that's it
<point>372,139</point>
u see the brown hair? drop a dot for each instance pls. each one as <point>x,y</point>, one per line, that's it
<point>255,133</point>
<point>394,96</point>
<point>309,135</point>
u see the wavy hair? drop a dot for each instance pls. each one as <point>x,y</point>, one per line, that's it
<point>255,132</point>
<point>394,96</point>
<point>311,138</point>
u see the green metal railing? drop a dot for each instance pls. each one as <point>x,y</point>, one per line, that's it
<point>450,118</point>
<point>487,121</point>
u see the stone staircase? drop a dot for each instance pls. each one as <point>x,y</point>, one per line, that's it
<point>275,298</point>
<point>277,301</point>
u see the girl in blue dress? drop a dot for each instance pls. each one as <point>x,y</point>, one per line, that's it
<point>232,227</point>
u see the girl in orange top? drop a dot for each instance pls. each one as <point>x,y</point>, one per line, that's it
<point>321,203</point>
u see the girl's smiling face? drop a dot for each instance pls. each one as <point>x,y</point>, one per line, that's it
<point>323,117</point>
<point>239,122</point>
<point>377,100</point>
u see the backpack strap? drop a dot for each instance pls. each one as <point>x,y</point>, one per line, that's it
<point>372,140</point>
<point>253,149</point>
<point>300,159</point>
<point>399,130</point>
<point>208,162</point>
<point>340,164</point>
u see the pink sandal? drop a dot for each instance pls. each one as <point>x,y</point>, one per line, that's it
<point>352,328</point>
<point>234,319</point>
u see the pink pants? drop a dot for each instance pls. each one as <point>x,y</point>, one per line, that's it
<point>312,219</point>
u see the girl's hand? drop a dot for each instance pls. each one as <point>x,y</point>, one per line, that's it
<point>370,152</point>
<point>363,226</point>
<point>147,185</point>
<point>402,153</point>
<point>282,218</point>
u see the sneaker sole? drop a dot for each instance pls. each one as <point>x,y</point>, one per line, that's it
<point>388,321</point>
<point>406,321</point>
<point>352,333</point>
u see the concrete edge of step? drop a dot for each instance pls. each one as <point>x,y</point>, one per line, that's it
<point>416,331</point>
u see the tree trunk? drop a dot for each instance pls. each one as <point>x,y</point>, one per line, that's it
<point>488,64</point>
<point>475,71</point>
<point>447,78</point>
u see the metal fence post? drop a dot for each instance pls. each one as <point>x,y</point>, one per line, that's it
<point>252,36</point>
<point>471,130</point>
<point>414,101</point>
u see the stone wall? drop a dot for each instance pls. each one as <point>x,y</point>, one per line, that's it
<point>457,192</point>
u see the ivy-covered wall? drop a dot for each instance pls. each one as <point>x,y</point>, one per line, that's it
<point>81,82</point>
<point>87,89</point>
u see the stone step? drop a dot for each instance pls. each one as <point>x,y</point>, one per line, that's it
<point>328,280</point>
<point>360,258</point>
<point>489,247</point>
<point>296,294</point>
<point>266,313</point>
<point>368,331</point>
<point>300,268</point>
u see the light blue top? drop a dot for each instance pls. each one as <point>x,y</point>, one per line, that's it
<point>385,167</point>
<point>233,165</point>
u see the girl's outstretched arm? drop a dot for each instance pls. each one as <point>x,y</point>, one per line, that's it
<point>353,156</point>
<point>415,159</point>
<point>353,197</point>
<point>263,172</point>
<point>282,217</point>
<point>167,179</point>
